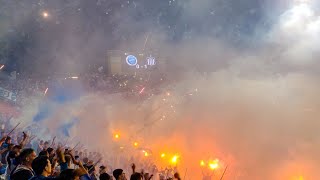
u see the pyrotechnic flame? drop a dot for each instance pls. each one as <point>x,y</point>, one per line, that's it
<point>214,164</point>
<point>146,154</point>
<point>135,144</point>
<point>116,136</point>
<point>175,159</point>
<point>163,155</point>
<point>202,163</point>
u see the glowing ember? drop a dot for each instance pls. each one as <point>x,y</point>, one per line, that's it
<point>135,144</point>
<point>117,136</point>
<point>163,155</point>
<point>146,154</point>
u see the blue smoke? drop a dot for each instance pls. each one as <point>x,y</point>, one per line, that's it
<point>43,113</point>
<point>65,128</point>
<point>63,95</point>
<point>58,95</point>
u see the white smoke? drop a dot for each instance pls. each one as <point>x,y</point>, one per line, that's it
<point>257,111</point>
<point>298,30</point>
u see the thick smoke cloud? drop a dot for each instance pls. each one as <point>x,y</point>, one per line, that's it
<point>303,24</point>
<point>256,109</point>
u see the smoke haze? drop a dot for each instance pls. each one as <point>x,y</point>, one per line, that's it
<point>256,108</point>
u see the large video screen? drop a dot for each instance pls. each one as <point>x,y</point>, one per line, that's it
<point>131,63</point>
<point>140,61</point>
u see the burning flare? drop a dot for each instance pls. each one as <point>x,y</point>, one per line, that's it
<point>116,136</point>
<point>175,159</point>
<point>135,144</point>
<point>202,163</point>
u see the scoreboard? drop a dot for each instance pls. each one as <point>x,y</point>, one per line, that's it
<point>120,62</point>
<point>140,61</point>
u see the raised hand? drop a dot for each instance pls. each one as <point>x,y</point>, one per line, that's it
<point>133,167</point>
<point>25,135</point>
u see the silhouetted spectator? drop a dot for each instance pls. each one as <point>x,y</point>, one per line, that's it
<point>24,170</point>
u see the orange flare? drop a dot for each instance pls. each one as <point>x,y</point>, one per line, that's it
<point>202,163</point>
<point>146,154</point>
<point>214,164</point>
<point>174,159</point>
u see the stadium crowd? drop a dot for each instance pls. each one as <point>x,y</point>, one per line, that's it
<point>24,157</point>
<point>25,87</point>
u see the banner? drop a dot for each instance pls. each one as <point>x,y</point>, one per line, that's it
<point>8,95</point>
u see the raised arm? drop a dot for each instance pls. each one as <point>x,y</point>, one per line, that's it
<point>24,140</point>
<point>74,161</point>
<point>2,140</point>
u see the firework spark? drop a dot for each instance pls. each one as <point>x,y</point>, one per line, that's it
<point>141,91</point>
<point>45,92</point>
